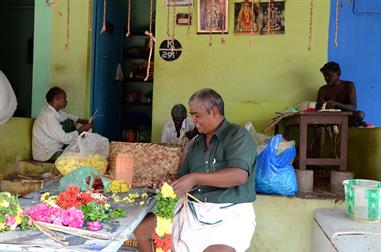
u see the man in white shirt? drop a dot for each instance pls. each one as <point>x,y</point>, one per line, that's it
<point>180,129</point>
<point>53,129</point>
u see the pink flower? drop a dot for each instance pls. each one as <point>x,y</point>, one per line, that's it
<point>94,225</point>
<point>10,221</point>
<point>72,217</point>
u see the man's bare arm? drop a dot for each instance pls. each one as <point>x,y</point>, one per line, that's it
<point>223,178</point>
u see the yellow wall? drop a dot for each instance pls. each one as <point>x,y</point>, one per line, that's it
<point>70,69</point>
<point>255,81</point>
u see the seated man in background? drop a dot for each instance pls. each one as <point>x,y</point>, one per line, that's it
<point>179,130</point>
<point>338,94</point>
<point>53,129</point>
<point>219,170</point>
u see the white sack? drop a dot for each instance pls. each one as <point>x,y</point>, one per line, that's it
<point>8,102</point>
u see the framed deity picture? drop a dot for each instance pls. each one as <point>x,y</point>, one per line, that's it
<point>273,18</point>
<point>246,19</point>
<point>179,3</point>
<point>212,16</point>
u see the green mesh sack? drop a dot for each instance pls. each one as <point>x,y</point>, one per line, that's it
<point>78,178</point>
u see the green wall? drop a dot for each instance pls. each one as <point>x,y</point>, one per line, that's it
<point>57,66</point>
<point>41,57</point>
<point>15,144</point>
<point>255,81</point>
<point>285,223</point>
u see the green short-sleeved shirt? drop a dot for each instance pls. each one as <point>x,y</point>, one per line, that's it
<point>231,146</point>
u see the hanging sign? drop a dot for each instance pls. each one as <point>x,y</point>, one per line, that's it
<point>170,50</point>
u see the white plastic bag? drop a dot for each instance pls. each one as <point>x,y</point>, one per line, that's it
<point>260,139</point>
<point>89,150</point>
<point>8,102</point>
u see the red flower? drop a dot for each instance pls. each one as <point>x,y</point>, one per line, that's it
<point>165,242</point>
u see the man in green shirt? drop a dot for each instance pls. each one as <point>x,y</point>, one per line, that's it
<point>219,171</point>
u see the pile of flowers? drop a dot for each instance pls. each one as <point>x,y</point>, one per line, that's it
<point>71,217</point>
<point>11,214</point>
<point>74,208</point>
<point>166,201</point>
<point>118,186</point>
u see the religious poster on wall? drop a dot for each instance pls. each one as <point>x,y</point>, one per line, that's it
<point>183,18</point>
<point>272,18</point>
<point>212,16</point>
<point>246,17</point>
<point>179,3</point>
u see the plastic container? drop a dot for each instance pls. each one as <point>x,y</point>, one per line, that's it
<point>363,200</point>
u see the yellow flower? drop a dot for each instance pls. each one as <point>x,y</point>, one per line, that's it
<point>116,199</point>
<point>163,226</point>
<point>2,226</point>
<point>43,196</point>
<point>4,203</point>
<point>167,191</point>
<point>18,219</point>
<point>159,250</point>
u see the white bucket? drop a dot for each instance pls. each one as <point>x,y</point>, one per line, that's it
<point>363,200</point>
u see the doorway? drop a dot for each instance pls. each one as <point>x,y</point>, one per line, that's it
<point>16,50</point>
<point>123,103</point>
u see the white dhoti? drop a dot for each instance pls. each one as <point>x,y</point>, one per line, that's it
<point>201,225</point>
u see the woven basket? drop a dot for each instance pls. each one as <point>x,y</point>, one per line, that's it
<point>153,163</point>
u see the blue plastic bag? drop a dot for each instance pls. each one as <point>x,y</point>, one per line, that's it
<point>275,174</point>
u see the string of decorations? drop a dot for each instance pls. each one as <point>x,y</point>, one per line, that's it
<point>189,17</point>
<point>210,22</point>
<point>336,44</point>
<point>168,13</point>
<point>173,25</point>
<point>252,24</point>
<point>223,25</point>
<point>66,46</point>
<point>151,40</point>
<point>52,4</point>
<point>310,26</point>
<point>104,16</point>
<point>89,13</point>
<point>129,19</point>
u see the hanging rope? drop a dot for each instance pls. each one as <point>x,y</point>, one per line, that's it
<point>211,7</point>
<point>336,44</point>
<point>104,16</point>
<point>52,5</point>
<point>151,41</point>
<point>129,19</point>
<point>89,13</point>
<point>189,17</point>
<point>252,24</point>
<point>66,46</point>
<point>168,13</point>
<point>310,26</point>
<point>173,27</point>
<point>223,24</point>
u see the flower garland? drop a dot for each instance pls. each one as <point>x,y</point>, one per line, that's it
<point>166,201</point>
<point>11,214</point>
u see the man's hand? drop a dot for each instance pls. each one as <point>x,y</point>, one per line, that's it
<point>184,184</point>
<point>85,127</point>
<point>332,104</point>
<point>82,120</point>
